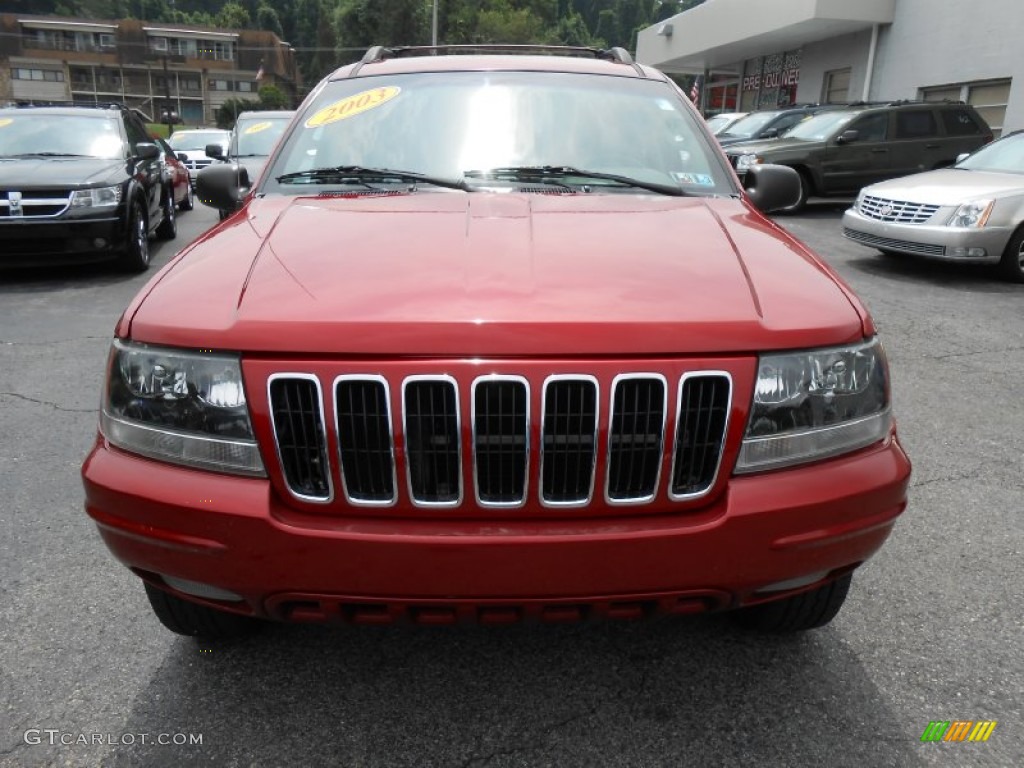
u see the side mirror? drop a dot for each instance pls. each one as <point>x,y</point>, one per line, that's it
<point>216,151</point>
<point>181,156</point>
<point>771,133</point>
<point>147,150</point>
<point>772,187</point>
<point>847,137</point>
<point>223,187</point>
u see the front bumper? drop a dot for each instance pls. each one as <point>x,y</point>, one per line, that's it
<point>769,535</point>
<point>932,241</point>
<point>67,241</point>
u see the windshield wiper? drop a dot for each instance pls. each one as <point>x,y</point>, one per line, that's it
<point>47,154</point>
<point>341,173</point>
<point>543,172</point>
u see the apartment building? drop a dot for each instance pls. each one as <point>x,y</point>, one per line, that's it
<point>759,54</point>
<point>157,68</point>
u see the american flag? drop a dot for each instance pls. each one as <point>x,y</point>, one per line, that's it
<point>695,90</point>
<point>259,73</point>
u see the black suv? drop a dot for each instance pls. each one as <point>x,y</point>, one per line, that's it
<point>838,152</point>
<point>770,123</point>
<point>78,184</point>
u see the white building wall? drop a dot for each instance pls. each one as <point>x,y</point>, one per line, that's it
<point>838,53</point>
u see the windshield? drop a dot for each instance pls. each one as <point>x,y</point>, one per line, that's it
<point>819,127</point>
<point>454,124</point>
<point>257,137</point>
<point>60,135</point>
<point>751,125</point>
<point>187,141</point>
<point>1004,156</point>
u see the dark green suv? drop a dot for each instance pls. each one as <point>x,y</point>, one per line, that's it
<point>839,151</point>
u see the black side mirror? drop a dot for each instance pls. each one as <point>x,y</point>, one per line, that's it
<point>181,156</point>
<point>772,187</point>
<point>770,133</point>
<point>223,187</point>
<point>847,137</point>
<point>147,150</point>
<point>216,151</point>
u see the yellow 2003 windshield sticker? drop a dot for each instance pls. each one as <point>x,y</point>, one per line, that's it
<point>5,121</point>
<point>257,128</point>
<point>353,105</point>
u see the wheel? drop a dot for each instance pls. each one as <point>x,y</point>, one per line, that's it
<point>1012,264</point>
<point>168,228</point>
<point>805,192</point>
<point>135,257</point>
<point>189,202</point>
<point>807,610</point>
<point>194,620</point>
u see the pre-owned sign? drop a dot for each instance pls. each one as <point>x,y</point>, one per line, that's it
<point>772,79</point>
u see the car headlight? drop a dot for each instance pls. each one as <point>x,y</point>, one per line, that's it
<point>812,405</point>
<point>972,214</point>
<point>746,161</point>
<point>99,197</point>
<point>182,407</point>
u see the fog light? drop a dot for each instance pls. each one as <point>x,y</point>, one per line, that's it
<point>960,252</point>
<point>799,581</point>
<point>99,242</point>
<point>200,590</point>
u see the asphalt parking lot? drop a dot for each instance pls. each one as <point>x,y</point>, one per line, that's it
<point>933,628</point>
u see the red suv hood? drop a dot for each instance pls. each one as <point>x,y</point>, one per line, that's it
<point>495,275</point>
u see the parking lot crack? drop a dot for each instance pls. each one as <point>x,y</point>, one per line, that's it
<point>55,406</point>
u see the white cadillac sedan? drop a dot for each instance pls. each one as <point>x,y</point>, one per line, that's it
<point>972,212</point>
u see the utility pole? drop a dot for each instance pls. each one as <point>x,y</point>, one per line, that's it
<point>167,99</point>
<point>433,36</point>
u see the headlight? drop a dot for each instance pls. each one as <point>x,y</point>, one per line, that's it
<point>100,197</point>
<point>812,405</point>
<point>972,214</point>
<point>744,162</point>
<point>183,407</point>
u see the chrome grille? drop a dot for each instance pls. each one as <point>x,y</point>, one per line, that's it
<point>702,419</point>
<point>501,439</point>
<point>636,433</point>
<point>433,448</point>
<point>296,410</point>
<point>34,204</point>
<point>899,211</point>
<point>568,440</point>
<point>501,428</point>
<point>892,244</point>
<point>363,413</point>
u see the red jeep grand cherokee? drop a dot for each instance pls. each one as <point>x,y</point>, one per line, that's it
<point>495,338</point>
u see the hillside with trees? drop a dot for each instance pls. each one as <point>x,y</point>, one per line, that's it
<point>328,33</point>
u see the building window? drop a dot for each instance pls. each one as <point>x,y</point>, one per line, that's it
<point>220,85</point>
<point>107,41</point>
<point>158,44</point>
<point>186,47</point>
<point>223,51</point>
<point>989,98</point>
<point>190,83</point>
<point>244,86</point>
<point>836,88</point>
<point>45,75</point>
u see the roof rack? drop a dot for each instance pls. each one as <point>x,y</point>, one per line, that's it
<point>381,53</point>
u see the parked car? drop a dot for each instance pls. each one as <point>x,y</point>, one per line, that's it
<point>80,184</point>
<point>252,139</point>
<point>724,120</point>
<point>175,176</point>
<point>770,124</point>
<point>470,351</point>
<point>190,146</point>
<point>972,212</point>
<point>840,152</point>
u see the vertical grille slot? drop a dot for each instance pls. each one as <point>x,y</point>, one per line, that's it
<point>365,447</point>
<point>568,440</point>
<point>635,437</point>
<point>500,439</point>
<point>296,410</point>
<point>702,419</point>
<point>432,444</point>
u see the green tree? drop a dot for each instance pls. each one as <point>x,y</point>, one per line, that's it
<point>233,16</point>
<point>272,97</point>
<point>267,19</point>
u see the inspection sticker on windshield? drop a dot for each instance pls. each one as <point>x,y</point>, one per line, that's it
<point>353,105</point>
<point>5,121</point>
<point>700,179</point>
<point>258,127</point>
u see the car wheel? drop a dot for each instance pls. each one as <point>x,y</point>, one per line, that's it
<point>168,228</point>
<point>1012,264</point>
<point>135,257</point>
<point>189,202</point>
<point>194,620</point>
<point>805,192</point>
<point>807,610</point>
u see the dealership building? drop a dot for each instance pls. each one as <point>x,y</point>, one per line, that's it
<point>760,54</point>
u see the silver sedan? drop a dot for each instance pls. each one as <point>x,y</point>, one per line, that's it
<point>972,212</point>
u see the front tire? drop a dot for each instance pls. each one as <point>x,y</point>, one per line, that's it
<point>189,202</point>
<point>168,228</point>
<point>807,610</point>
<point>194,620</point>
<point>1011,266</point>
<point>135,257</point>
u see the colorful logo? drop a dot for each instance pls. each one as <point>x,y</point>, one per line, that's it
<point>958,730</point>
